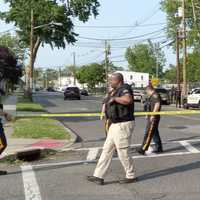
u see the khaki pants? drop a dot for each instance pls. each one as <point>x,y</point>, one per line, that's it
<point>119,137</point>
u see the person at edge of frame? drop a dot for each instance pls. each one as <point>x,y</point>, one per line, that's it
<point>3,141</point>
<point>120,111</point>
<point>153,104</point>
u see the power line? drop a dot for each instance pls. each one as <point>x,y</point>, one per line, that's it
<point>118,39</point>
<point>117,27</point>
<point>142,22</point>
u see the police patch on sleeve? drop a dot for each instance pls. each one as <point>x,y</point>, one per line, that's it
<point>125,91</point>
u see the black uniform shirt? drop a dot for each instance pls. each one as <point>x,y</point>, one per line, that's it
<point>153,100</point>
<point>118,112</point>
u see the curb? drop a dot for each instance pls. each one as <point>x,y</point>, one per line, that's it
<point>73,136</point>
<point>29,153</point>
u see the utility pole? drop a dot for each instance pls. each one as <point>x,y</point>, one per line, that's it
<point>107,53</point>
<point>157,47</point>
<point>184,92</point>
<point>30,73</point>
<point>178,77</point>
<point>74,68</point>
<point>60,75</point>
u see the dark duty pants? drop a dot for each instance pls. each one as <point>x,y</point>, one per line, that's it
<point>3,141</point>
<point>152,132</point>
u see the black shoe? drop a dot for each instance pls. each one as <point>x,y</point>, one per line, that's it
<point>93,179</point>
<point>140,151</point>
<point>128,180</point>
<point>158,151</point>
<point>2,173</point>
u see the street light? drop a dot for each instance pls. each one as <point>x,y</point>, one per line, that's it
<point>30,83</point>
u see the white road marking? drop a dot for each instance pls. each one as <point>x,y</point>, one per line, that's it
<point>189,147</point>
<point>31,188</point>
<point>93,153</point>
<point>132,145</point>
<point>10,107</point>
<point>79,162</point>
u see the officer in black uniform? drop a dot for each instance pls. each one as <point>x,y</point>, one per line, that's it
<point>153,104</point>
<point>120,111</point>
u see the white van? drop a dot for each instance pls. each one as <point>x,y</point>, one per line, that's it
<point>193,99</point>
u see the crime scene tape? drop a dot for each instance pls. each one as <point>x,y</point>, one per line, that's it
<point>184,112</point>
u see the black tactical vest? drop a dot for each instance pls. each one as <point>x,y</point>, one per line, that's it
<point>121,113</point>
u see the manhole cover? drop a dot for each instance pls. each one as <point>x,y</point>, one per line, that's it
<point>178,127</point>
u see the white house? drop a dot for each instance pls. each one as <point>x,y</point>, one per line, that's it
<point>138,79</point>
<point>68,81</point>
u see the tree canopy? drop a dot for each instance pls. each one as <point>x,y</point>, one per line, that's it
<point>191,11</point>
<point>91,75</point>
<point>15,46</point>
<point>145,58</point>
<point>46,12</point>
<point>9,68</point>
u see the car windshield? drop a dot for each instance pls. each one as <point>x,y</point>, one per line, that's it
<point>74,89</point>
<point>161,91</point>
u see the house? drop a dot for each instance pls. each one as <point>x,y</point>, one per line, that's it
<point>67,81</point>
<point>137,79</point>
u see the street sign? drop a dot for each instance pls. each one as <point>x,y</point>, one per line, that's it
<point>155,82</point>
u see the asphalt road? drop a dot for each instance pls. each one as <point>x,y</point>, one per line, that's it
<point>173,175</point>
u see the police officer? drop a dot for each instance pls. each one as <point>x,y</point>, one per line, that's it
<point>153,104</point>
<point>120,110</point>
<point>3,141</point>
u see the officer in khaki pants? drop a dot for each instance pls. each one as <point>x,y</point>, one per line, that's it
<point>120,110</point>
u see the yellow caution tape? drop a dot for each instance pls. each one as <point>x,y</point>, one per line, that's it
<point>183,112</point>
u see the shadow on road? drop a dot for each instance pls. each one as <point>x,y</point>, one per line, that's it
<point>170,171</point>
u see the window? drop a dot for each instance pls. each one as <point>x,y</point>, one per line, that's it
<point>131,77</point>
<point>142,78</point>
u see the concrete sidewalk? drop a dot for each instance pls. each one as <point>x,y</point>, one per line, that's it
<point>19,145</point>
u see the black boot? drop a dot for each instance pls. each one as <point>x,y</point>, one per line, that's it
<point>140,151</point>
<point>93,179</point>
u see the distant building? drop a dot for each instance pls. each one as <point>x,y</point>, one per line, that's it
<point>67,81</point>
<point>137,79</point>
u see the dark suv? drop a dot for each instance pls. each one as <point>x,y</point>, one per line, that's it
<point>72,93</point>
<point>164,95</point>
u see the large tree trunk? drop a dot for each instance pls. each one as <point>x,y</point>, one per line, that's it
<point>28,91</point>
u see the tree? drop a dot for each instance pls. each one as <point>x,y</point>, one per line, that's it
<point>112,68</point>
<point>145,58</point>
<point>46,12</point>
<point>171,9</point>
<point>91,75</point>
<point>9,70</point>
<point>170,74</point>
<point>193,69</point>
<point>14,44</point>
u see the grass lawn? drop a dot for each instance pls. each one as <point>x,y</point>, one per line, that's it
<point>29,106</point>
<point>35,128</point>
<point>25,104</point>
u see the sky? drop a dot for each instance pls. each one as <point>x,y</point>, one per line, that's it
<point>133,18</point>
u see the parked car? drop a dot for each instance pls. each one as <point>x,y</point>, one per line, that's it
<point>72,93</point>
<point>61,89</point>
<point>50,89</point>
<point>193,100</point>
<point>84,92</point>
<point>164,95</point>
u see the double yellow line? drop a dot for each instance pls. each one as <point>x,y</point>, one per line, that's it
<point>184,112</point>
